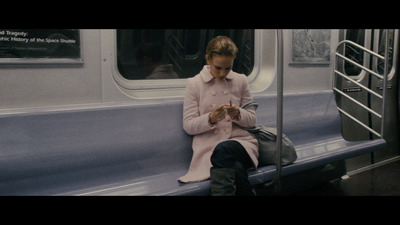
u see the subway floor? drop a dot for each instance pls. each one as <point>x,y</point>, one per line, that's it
<point>383,180</point>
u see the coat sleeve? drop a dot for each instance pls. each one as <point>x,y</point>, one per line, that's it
<point>193,122</point>
<point>248,116</point>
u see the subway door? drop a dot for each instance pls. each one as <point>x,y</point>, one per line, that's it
<point>391,118</point>
<point>351,130</point>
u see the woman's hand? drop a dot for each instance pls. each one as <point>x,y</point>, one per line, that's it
<point>220,112</point>
<point>217,115</point>
<point>233,111</point>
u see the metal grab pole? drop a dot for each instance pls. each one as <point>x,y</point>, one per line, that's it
<point>279,113</point>
<point>385,77</point>
<point>374,72</point>
<point>279,110</point>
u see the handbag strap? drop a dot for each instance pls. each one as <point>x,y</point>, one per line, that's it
<point>250,103</point>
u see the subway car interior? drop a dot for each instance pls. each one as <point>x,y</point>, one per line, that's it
<point>81,112</point>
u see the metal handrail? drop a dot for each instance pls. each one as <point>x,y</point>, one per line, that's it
<point>359,122</point>
<point>358,103</point>
<point>384,77</point>
<point>279,112</point>
<point>358,65</point>
<point>360,47</point>
<point>358,84</point>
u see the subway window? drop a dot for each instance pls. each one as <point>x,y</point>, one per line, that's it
<point>355,54</point>
<point>381,50</point>
<point>359,36</point>
<point>144,54</point>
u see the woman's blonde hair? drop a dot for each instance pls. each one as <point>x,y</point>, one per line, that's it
<point>221,45</point>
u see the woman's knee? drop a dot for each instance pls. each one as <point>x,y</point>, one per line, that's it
<point>222,155</point>
<point>221,148</point>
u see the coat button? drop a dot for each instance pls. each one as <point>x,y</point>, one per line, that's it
<point>226,92</point>
<point>227,130</point>
<point>213,92</point>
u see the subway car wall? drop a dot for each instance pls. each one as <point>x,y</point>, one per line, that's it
<point>31,83</point>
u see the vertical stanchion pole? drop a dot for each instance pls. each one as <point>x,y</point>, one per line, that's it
<point>279,110</point>
<point>279,59</point>
<point>385,76</point>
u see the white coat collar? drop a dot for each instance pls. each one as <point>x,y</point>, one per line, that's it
<point>207,76</point>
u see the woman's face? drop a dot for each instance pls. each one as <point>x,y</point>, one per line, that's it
<point>220,65</point>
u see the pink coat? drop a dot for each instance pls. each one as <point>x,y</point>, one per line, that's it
<point>203,93</point>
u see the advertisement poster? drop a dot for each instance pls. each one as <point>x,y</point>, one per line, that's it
<point>311,46</point>
<point>40,43</point>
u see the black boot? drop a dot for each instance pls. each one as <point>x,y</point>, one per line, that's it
<point>222,182</point>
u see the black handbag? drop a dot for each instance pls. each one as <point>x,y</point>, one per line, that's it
<point>266,137</point>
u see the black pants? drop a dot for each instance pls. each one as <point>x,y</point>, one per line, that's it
<point>231,154</point>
